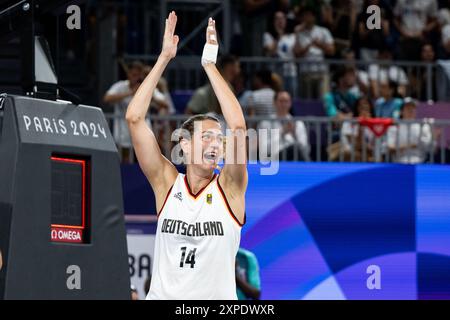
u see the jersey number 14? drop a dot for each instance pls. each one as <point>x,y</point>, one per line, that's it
<point>190,259</point>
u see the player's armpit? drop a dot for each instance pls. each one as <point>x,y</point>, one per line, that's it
<point>160,172</point>
<point>233,179</point>
<point>235,168</point>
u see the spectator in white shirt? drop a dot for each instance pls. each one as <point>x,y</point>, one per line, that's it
<point>279,43</point>
<point>260,101</point>
<point>409,143</point>
<point>288,139</point>
<point>385,72</point>
<point>119,96</point>
<point>313,43</point>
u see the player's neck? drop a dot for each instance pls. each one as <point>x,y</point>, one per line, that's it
<point>197,178</point>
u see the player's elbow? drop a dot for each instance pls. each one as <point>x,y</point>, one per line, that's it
<point>132,118</point>
<point>238,127</point>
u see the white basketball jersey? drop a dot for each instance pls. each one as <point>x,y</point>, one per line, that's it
<point>197,240</point>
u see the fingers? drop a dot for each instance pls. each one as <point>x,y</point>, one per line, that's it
<point>171,23</point>
<point>166,28</point>
<point>211,25</point>
<point>211,34</point>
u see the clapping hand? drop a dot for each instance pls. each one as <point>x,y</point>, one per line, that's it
<point>170,42</point>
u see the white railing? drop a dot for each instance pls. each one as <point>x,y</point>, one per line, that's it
<point>404,141</point>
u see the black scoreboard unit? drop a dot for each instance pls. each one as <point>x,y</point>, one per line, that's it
<point>62,230</point>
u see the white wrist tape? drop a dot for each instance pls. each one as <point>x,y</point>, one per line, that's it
<point>210,52</point>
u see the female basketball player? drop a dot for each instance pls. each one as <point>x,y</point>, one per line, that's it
<point>200,214</point>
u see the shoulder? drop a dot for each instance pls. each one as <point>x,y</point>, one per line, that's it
<point>300,123</point>
<point>201,91</point>
<point>328,99</point>
<point>363,76</point>
<point>346,127</point>
<point>199,96</point>
<point>247,254</point>
<point>379,101</point>
<point>258,94</point>
<point>268,92</point>
<point>289,37</point>
<point>352,95</point>
<point>328,95</point>
<point>268,37</point>
<point>373,67</point>
<point>265,124</point>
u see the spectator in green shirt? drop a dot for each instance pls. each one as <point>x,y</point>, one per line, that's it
<point>248,282</point>
<point>340,101</point>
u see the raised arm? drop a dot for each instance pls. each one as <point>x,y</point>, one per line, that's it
<point>160,172</point>
<point>234,173</point>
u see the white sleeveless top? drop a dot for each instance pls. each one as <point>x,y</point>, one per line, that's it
<point>196,243</point>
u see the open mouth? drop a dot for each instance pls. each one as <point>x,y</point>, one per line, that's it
<point>212,156</point>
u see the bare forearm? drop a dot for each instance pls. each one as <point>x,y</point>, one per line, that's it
<point>113,98</point>
<point>138,107</point>
<point>229,105</point>
<point>248,289</point>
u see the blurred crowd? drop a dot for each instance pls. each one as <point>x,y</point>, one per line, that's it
<point>317,28</point>
<point>268,106</point>
<point>409,30</point>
